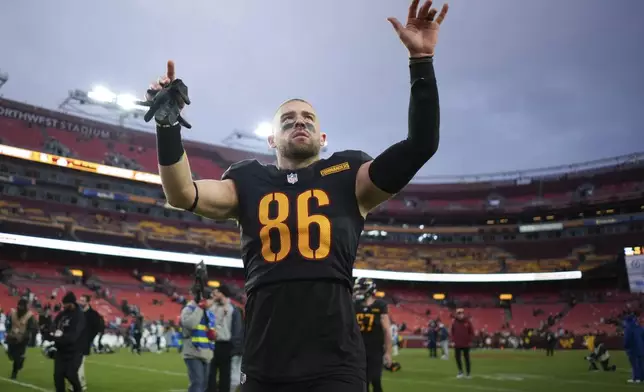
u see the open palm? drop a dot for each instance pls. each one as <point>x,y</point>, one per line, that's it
<point>420,34</point>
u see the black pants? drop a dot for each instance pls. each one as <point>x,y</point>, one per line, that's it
<point>100,342</point>
<point>374,371</point>
<point>465,353</point>
<point>606,366</point>
<point>220,363</point>
<point>432,350</point>
<point>67,368</point>
<point>137,343</point>
<point>326,384</point>
<point>17,353</point>
<point>550,350</point>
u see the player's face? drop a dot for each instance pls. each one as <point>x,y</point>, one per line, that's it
<point>82,302</point>
<point>296,132</point>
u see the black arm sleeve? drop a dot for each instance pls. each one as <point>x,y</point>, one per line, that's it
<point>394,168</point>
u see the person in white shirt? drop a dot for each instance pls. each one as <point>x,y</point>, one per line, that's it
<point>3,327</point>
<point>160,331</point>
<point>394,340</point>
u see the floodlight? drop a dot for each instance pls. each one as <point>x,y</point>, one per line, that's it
<point>101,94</point>
<point>264,129</point>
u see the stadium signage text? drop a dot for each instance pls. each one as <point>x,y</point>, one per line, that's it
<point>540,227</point>
<point>52,122</point>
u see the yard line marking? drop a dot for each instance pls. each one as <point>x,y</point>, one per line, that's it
<point>145,369</point>
<point>24,384</point>
<point>465,385</point>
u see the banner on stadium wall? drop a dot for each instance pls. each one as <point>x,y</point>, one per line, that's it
<point>541,227</point>
<point>158,255</point>
<point>634,259</point>
<point>52,122</point>
<point>77,164</point>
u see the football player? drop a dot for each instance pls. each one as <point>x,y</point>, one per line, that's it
<point>375,327</point>
<point>301,221</point>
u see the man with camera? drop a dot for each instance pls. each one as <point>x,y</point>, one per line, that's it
<point>198,324</point>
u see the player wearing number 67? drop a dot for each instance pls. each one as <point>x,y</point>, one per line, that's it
<point>375,327</point>
<point>301,222</point>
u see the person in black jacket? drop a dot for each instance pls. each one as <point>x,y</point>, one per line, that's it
<point>92,328</point>
<point>68,326</point>
<point>101,332</point>
<point>551,343</point>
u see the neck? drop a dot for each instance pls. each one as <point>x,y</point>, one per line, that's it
<point>369,301</point>
<point>293,164</point>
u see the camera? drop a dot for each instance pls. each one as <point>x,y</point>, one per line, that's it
<point>200,288</point>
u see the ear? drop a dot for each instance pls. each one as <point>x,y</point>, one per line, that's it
<point>271,141</point>
<point>323,140</point>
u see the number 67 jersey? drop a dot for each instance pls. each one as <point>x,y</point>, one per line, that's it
<point>300,231</point>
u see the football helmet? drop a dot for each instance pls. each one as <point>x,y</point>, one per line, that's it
<point>394,367</point>
<point>364,288</point>
<point>49,349</point>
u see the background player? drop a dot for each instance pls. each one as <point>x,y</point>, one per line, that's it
<point>301,222</point>
<point>462,335</point>
<point>375,326</point>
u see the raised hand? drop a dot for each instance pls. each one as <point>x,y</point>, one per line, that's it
<point>162,82</point>
<point>166,98</point>
<point>420,34</point>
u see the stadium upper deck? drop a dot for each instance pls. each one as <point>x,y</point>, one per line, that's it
<point>574,209</point>
<point>554,188</point>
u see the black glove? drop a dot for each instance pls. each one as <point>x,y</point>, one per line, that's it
<point>167,103</point>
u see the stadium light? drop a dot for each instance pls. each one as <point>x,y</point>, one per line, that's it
<point>102,94</point>
<point>102,103</point>
<point>264,129</point>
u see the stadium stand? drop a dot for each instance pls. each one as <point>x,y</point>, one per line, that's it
<point>484,225</point>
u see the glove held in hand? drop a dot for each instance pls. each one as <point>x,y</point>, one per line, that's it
<point>166,105</point>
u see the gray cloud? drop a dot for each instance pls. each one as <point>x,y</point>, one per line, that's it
<point>523,84</point>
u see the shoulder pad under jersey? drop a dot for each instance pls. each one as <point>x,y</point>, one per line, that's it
<point>353,155</point>
<point>380,304</point>
<point>238,167</point>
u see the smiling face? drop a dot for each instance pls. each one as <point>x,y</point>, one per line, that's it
<point>296,131</point>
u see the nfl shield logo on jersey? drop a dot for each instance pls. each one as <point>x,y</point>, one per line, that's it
<point>291,178</point>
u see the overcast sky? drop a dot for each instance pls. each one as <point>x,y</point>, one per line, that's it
<point>523,84</point>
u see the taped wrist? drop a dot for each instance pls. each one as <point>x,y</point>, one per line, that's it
<point>169,145</point>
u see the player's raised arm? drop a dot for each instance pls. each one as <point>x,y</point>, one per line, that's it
<point>393,169</point>
<point>210,198</point>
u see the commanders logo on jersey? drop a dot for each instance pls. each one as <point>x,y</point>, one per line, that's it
<point>335,169</point>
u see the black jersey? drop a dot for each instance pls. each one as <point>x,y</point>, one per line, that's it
<point>371,328</point>
<point>299,237</point>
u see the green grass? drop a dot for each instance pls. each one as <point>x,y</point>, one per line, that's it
<point>502,371</point>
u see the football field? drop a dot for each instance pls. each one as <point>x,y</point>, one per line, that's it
<point>503,371</point>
